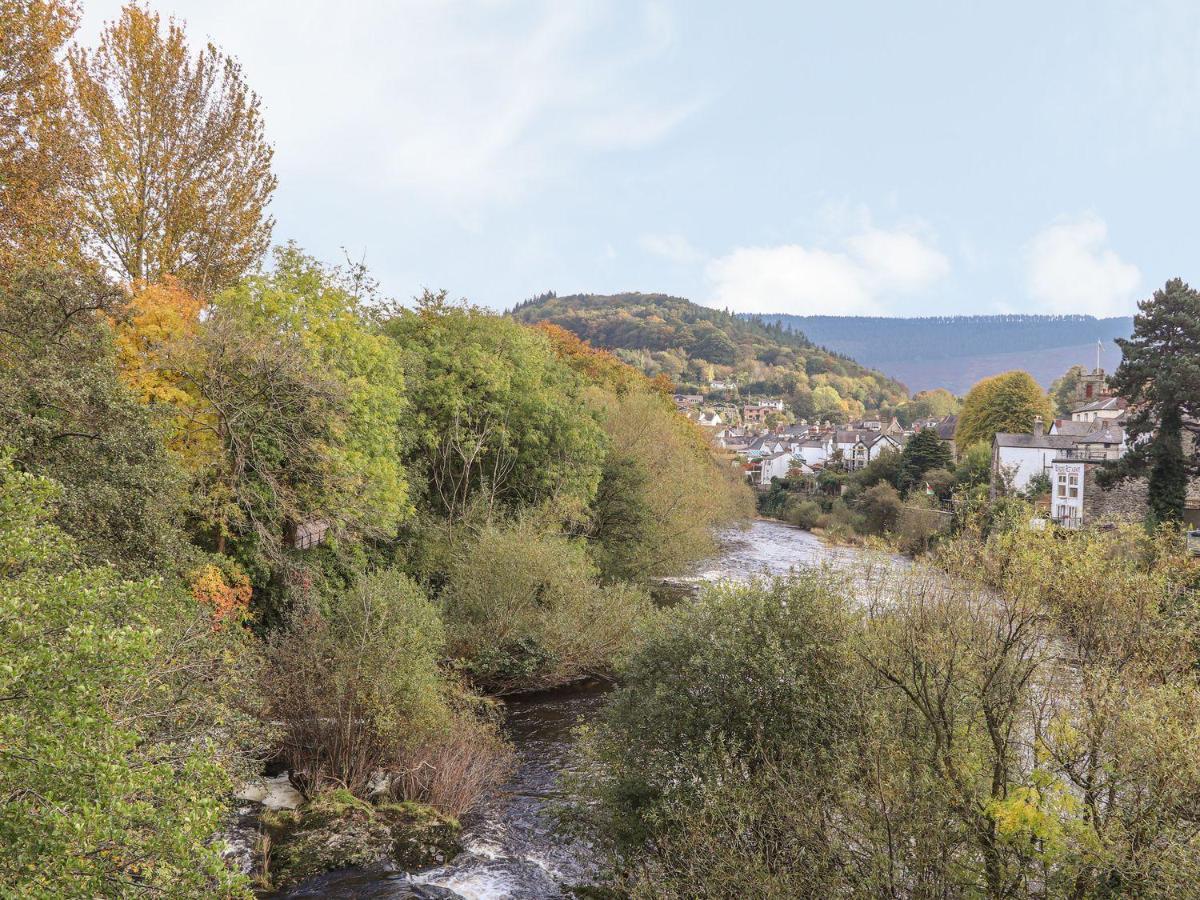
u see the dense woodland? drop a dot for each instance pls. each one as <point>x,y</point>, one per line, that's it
<point>253,511</point>
<point>692,344</point>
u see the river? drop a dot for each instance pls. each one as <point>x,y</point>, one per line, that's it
<point>512,846</point>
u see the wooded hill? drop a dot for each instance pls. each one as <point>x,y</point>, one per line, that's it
<point>954,352</point>
<point>692,344</point>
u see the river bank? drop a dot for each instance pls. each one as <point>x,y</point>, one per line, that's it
<point>513,847</point>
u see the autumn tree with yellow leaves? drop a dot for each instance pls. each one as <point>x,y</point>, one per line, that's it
<point>178,170</point>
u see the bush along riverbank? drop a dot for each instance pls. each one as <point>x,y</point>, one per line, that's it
<point>1018,718</point>
<point>904,502</point>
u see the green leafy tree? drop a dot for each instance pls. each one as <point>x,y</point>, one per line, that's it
<point>924,451</point>
<point>1160,378</point>
<point>113,778</point>
<point>1062,389</point>
<point>66,414</point>
<point>1003,403</point>
<point>328,311</point>
<point>937,403</point>
<point>661,491</point>
<point>497,418</point>
<point>974,465</point>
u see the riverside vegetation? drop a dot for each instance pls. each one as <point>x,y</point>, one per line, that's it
<point>1017,720</point>
<point>258,514</point>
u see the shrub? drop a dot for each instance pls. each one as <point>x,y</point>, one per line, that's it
<point>746,678</point>
<point>917,528</point>
<point>112,774</point>
<point>524,609</point>
<point>880,506</point>
<point>974,465</point>
<point>803,513</point>
<point>940,481</point>
<point>358,690</point>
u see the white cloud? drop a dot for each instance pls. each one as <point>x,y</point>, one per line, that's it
<point>1072,270</point>
<point>813,281</point>
<point>673,247</point>
<point>897,260</point>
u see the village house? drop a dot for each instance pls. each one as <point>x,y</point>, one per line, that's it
<point>757,413</point>
<point>815,452</point>
<point>1019,458</point>
<point>710,419</point>
<point>772,465</point>
<point>859,447</point>
<point>1111,408</point>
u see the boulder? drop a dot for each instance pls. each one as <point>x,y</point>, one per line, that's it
<point>336,830</point>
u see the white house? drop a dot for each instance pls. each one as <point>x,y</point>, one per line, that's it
<point>1019,458</point>
<point>1067,477</point>
<point>772,465</point>
<point>815,451</point>
<point>866,446</point>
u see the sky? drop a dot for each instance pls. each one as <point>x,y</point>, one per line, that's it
<point>865,158</point>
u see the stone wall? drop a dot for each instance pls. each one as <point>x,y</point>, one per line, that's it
<point>1124,502</point>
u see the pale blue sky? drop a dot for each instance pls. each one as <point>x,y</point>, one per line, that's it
<point>857,158</point>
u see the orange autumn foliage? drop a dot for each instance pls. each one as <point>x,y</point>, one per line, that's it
<point>597,366</point>
<point>227,595</point>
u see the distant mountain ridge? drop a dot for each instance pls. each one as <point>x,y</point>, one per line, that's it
<point>956,351</point>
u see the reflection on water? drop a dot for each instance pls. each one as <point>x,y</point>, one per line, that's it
<point>513,849</point>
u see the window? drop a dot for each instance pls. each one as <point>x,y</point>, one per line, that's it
<point>1073,483</point>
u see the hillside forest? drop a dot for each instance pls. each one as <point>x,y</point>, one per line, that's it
<point>693,345</point>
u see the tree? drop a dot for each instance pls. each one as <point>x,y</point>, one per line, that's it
<point>1062,389</point>
<point>38,153</point>
<point>661,492</point>
<point>1002,403</point>
<point>1159,376</point>
<point>65,413</point>
<point>924,451</point>
<point>328,313</point>
<point>178,171</point>
<point>937,403</point>
<point>497,418</point>
<point>113,776</point>
<point>828,404</point>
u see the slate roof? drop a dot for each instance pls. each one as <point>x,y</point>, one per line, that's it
<point>1078,429</point>
<point>1036,442</point>
<point>946,427</point>
<point>1101,405</point>
<point>1108,433</point>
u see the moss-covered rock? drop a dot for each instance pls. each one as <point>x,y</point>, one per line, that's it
<point>421,836</point>
<point>336,830</point>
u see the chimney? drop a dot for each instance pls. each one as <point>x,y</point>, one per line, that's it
<point>1037,426</point>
